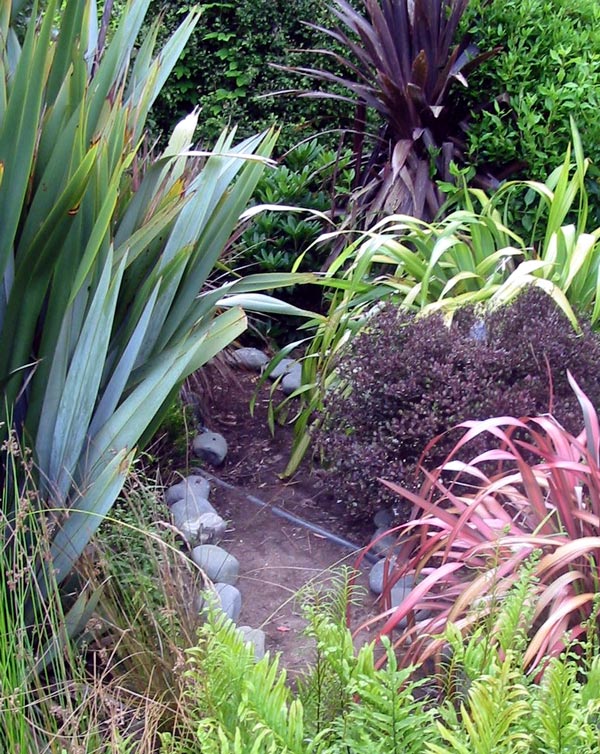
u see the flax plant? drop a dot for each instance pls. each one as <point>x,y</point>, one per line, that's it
<point>534,492</point>
<point>105,253</point>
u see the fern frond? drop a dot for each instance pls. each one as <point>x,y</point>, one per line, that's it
<point>219,663</point>
<point>515,616</point>
<point>554,709</point>
<point>566,712</point>
<point>324,691</point>
<point>243,702</point>
<point>331,599</point>
<point>384,716</point>
<point>492,718</point>
<point>590,691</point>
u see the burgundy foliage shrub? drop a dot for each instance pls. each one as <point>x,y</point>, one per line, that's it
<point>406,379</point>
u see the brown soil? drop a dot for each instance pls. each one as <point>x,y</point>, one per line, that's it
<point>277,558</point>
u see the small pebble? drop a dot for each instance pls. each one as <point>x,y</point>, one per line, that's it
<point>256,637</point>
<point>250,358</point>
<point>194,486</point>
<point>292,380</point>
<point>377,572</point>
<point>282,368</point>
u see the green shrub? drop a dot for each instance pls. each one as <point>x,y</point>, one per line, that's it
<point>310,184</point>
<point>312,177</point>
<point>406,379</point>
<point>550,70</point>
<point>226,69</point>
<point>148,613</point>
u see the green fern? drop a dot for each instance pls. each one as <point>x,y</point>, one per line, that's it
<point>242,701</point>
<point>324,689</point>
<point>384,716</point>
<point>514,619</point>
<point>590,690</point>
<point>492,719</point>
<point>351,706</point>
<point>556,724</point>
<point>501,629</point>
<point>591,643</point>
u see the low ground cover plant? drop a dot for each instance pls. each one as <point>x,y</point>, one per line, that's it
<point>406,379</point>
<point>482,700</point>
<point>294,204</point>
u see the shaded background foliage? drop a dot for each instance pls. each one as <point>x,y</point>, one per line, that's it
<point>406,379</point>
<point>226,69</point>
<point>548,70</point>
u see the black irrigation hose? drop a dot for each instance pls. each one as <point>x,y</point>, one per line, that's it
<point>346,544</point>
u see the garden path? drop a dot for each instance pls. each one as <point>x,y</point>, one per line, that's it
<point>277,558</point>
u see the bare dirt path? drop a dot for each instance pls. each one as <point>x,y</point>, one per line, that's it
<point>277,558</point>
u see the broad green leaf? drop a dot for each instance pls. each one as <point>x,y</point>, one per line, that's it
<point>79,392</point>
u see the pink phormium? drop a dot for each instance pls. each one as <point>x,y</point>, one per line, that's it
<point>474,524</point>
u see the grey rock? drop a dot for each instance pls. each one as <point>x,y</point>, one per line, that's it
<point>385,544</point>
<point>211,447</point>
<point>384,518</point>
<point>401,589</point>
<point>376,574</point>
<point>231,600</point>
<point>256,637</point>
<point>227,598</point>
<point>210,528</point>
<point>284,366</point>
<point>217,563</point>
<point>190,508</point>
<point>250,358</point>
<point>478,331</point>
<point>207,527</point>
<point>293,379</point>
<point>190,529</point>
<point>194,486</point>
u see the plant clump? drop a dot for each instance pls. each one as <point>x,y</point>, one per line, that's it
<point>406,379</point>
<point>547,71</point>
